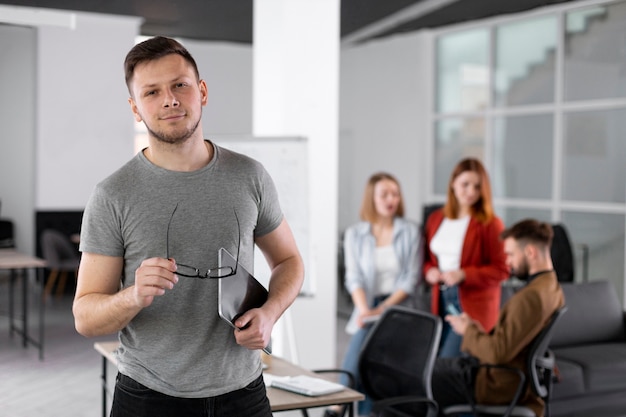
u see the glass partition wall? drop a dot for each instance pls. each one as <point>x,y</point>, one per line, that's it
<point>541,99</point>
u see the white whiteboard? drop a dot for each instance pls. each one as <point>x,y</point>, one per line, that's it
<point>286,160</point>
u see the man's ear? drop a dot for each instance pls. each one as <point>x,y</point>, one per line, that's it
<point>204,91</point>
<point>133,108</point>
<point>530,251</point>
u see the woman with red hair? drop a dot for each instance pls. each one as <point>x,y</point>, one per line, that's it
<point>464,261</point>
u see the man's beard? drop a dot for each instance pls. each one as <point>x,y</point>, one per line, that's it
<point>172,138</point>
<point>521,272</point>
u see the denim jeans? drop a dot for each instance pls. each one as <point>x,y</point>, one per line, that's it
<point>450,344</point>
<point>351,361</point>
<point>351,364</point>
<point>132,399</point>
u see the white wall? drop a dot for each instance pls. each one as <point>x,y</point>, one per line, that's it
<point>384,107</point>
<point>17,137</point>
<point>84,126</point>
<point>227,69</point>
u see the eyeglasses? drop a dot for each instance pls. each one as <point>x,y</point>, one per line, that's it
<point>193,272</point>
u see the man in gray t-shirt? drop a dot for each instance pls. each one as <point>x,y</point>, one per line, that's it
<point>177,203</point>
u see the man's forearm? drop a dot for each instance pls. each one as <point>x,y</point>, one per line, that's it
<point>284,286</point>
<point>101,314</point>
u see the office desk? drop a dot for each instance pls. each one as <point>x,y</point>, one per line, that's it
<point>280,400</point>
<point>15,262</point>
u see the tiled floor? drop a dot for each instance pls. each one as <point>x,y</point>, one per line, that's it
<point>67,382</point>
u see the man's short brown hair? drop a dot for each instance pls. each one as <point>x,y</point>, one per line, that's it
<point>153,49</point>
<point>530,231</point>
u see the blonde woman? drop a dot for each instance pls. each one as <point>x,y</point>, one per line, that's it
<point>382,265</point>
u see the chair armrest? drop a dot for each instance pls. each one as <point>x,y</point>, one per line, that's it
<point>548,373</point>
<point>388,405</point>
<point>547,361</point>
<point>351,378</point>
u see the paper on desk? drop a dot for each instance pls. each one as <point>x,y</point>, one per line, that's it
<point>302,384</point>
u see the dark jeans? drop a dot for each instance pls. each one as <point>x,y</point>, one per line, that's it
<point>453,381</point>
<point>131,399</point>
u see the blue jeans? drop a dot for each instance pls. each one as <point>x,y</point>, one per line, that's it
<point>450,344</point>
<point>351,361</point>
<point>131,399</point>
<point>351,364</point>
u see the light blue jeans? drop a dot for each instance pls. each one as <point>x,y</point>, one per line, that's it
<point>450,344</point>
<point>351,362</point>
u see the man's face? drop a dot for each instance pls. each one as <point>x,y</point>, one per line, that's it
<point>168,98</point>
<point>516,258</point>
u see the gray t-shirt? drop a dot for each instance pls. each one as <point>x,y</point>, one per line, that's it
<point>178,345</point>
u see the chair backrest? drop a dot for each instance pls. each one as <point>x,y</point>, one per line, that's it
<point>541,362</point>
<point>6,234</point>
<point>427,211</point>
<point>562,254</point>
<point>57,249</point>
<point>398,356</point>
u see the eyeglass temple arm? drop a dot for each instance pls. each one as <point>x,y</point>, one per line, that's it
<point>167,234</point>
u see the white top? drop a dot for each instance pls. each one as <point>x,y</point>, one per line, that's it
<point>387,268</point>
<point>447,243</point>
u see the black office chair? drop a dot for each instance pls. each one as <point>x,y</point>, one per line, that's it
<point>6,234</point>
<point>539,368</point>
<point>396,363</point>
<point>61,257</point>
<point>562,253</point>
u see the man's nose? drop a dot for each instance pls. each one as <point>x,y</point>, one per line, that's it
<point>171,100</point>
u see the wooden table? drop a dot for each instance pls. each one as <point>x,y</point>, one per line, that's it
<point>280,400</point>
<point>16,262</point>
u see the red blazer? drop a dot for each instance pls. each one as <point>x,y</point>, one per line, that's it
<point>484,263</point>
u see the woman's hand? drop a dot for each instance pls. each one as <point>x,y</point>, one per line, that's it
<point>363,315</point>
<point>433,276</point>
<point>451,278</point>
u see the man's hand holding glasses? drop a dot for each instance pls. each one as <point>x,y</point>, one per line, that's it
<point>153,277</point>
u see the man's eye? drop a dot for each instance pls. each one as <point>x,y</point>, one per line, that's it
<point>181,85</point>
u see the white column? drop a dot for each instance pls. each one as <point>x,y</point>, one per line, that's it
<point>295,92</point>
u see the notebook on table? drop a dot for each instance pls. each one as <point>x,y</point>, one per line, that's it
<point>238,293</point>
<point>303,384</point>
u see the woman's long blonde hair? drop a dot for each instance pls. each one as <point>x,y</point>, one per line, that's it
<point>368,210</point>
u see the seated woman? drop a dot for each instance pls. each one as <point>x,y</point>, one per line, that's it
<point>382,266</point>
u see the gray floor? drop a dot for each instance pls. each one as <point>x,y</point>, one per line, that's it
<point>67,382</point>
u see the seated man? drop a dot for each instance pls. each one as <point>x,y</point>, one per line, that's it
<point>456,380</point>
